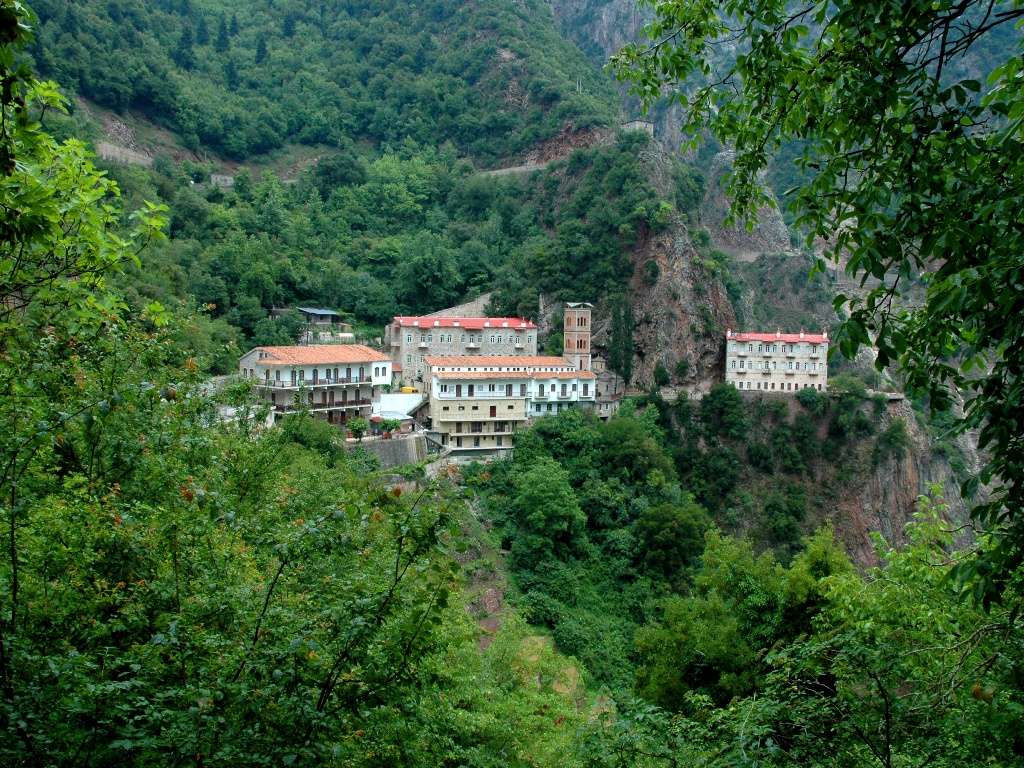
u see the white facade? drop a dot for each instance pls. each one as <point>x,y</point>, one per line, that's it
<point>776,362</point>
<point>338,382</point>
<point>478,403</point>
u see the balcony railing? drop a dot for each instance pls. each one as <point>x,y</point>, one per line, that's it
<point>472,345</point>
<point>290,407</point>
<point>317,383</point>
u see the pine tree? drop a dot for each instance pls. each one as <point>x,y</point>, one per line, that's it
<point>223,40</point>
<point>261,49</point>
<point>202,31</point>
<point>231,74</point>
<point>183,54</point>
<point>234,25</point>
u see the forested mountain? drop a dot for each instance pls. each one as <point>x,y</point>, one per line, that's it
<point>715,581</point>
<point>242,78</point>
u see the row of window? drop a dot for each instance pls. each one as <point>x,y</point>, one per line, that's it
<point>790,348</point>
<point>493,409</point>
<point>477,427</point>
<point>473,390</point>
<point>327,375</point>
<point>784,386</point>
<point>772,365</point>
<point>428,338</point>
<point>499,441</point>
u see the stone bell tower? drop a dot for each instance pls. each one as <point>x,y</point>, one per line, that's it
<point>576,335</point>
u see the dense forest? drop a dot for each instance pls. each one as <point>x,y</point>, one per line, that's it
<point>242,79</point>
<point>178,587</point>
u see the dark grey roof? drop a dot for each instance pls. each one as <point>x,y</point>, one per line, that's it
<point>317,311</point>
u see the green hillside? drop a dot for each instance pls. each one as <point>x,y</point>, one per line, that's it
<point>243,78</point>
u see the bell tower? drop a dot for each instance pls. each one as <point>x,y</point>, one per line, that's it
<point>576,335</point>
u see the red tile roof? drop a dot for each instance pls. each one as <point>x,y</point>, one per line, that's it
<point>480,361</point>
<point>811,338</point>
<point>321,354</point>
<point>472,375</point>
<point>469,323</point>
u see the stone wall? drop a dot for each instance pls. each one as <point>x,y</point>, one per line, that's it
<point>396,452</point>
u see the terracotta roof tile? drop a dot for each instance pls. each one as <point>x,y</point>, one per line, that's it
<point>479,361</point>
<point>473,375</point>
<point>469,323</point>
<point>321,354</point>
<point>810,338</point>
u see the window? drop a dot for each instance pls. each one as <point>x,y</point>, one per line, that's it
<point>522,390</point>
<point>476,442</point>
<point>537,407</point>
<point>490,387</point>
<point>511,407</point>
<point>408,358</point>
<point>444,388</point>
<point>733,365</point>
<point>494,411</point>
<point>408,338</point>
<point>302,374</point>
<point>430,338</point>
<point>500,441</point>
<point>470,389</point>
<point>444,408</point>
<point>492,339</point>
<point>277,375</point>
<point>750,347</point>
<point>458,442</point>
<point>586,389</point>
<point>549,407</point>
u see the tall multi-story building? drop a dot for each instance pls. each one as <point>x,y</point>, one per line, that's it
<point>477,403</point>
<point>576,335</point>
<point>776,362</point>
<point>338,381</point>
<point>412,339</point>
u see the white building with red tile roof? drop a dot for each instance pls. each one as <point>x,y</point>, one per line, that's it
<point>336,382</point>
<point>478,402</point>
<point>776,362</point>
<point>411,339</point>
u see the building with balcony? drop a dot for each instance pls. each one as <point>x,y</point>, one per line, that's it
<point>478,402</point>
<point>776,362</point>
<point>336,382</point>
<point>410,340</point>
